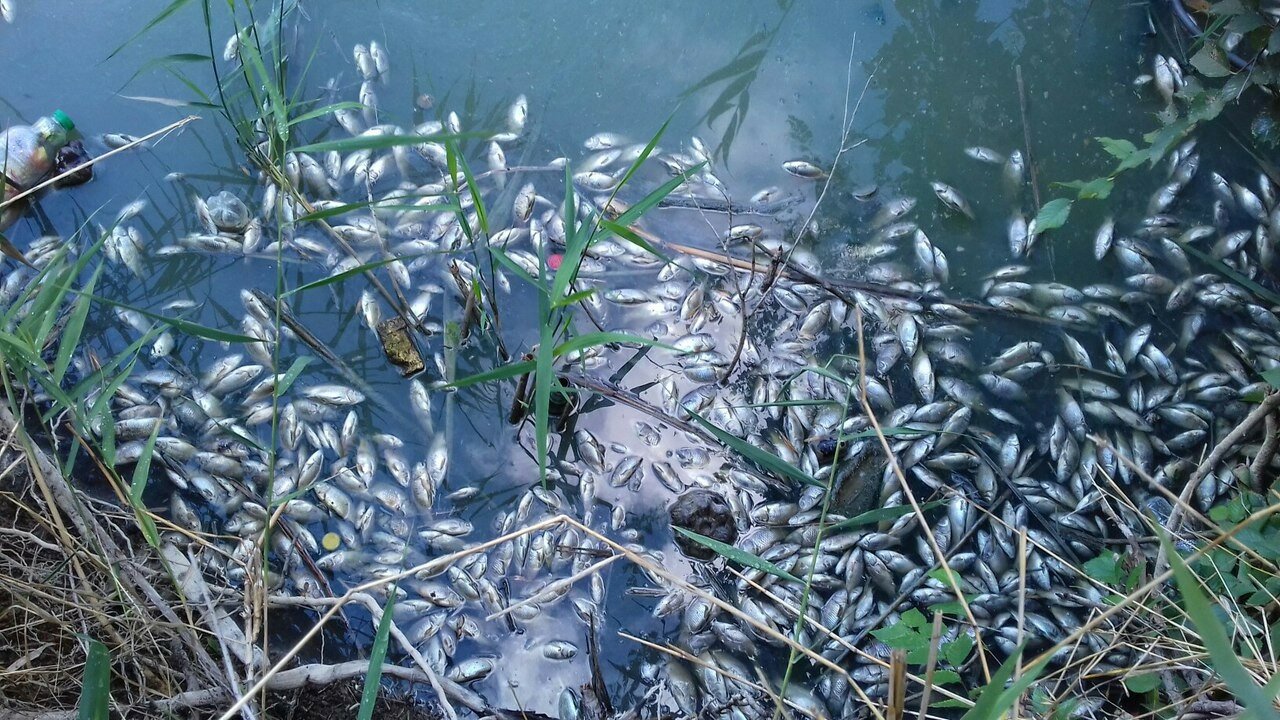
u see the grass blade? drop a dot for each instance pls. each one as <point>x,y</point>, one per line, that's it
<point>377,142</point>
<point>995,699</point>
<point>95,693</point>
<point>322,111</point>
<point>377,205</point>
<point>764,460</point>
<point>373,679</point>
<point>172,8</point>
<point>653,198</point>
<point>186,326</point>
<point>1225,269</point>
<point>357,270</point>
<point>286,381</point>
<point>166,61</point>
<point>742,557</point>
<point>138,485</point>
<point>70,339</point>
<point>872,517</point>
<point>1226,662</point>
<point>476,200</point>
<point>583,342</point>
<point>503,372</point>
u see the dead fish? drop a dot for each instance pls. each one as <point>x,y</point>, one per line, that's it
<point>518,115</point>
<point>1102,240</point>
<point>604,141</point>
<point>381,63</point>
<point>804,169</point>
<point>951,198</point>
<point>364,62</point>
<point>984,154</point>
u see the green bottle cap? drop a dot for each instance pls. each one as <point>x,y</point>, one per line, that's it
<point>64,120</point>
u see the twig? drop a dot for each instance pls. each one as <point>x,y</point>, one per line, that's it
<point>589,570</point>
<point>1270,442</point>
<point>1265,408</point>
<point>30,191</point>
<point>1026,136</point>
<point>935,638</point>
<point>315,674</point>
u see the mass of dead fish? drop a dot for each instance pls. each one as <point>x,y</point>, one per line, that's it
<point>1108,385</point>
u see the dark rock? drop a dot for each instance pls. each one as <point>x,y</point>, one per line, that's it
<point>706,513</point>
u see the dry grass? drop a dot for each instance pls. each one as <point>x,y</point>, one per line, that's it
<point>56,588</point>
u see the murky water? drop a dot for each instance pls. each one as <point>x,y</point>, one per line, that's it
<point>760,83</point>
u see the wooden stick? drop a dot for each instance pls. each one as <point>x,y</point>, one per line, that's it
<point>94,161</point>
<point>1026,137</point>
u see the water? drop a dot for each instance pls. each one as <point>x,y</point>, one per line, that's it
<point>776,80</point>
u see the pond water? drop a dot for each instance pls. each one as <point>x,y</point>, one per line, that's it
<point>761,83</point>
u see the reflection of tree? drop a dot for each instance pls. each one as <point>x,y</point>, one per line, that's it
<point>737,75</point>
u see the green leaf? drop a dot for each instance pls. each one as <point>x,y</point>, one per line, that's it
<point>1119,149</point>
<point>327,109</point>
<point>1053,215</point>
<point>186,326</point>
<point>1095,189</point>
<point>945,677</point>
<point>1143,683</point>
<point>1272,377</point>
<point>742,557</point>
<point>378,653</point>
<point>95,692</point>
<point>378,142</point>
<point>1134,160</point>
<point>1210,61</point>
<point>764,460</point>
<point>166,61</point>
<point>888,432</point>
<point>914,618</point>
<point>502,372</point>
<point>956,651</point>
<point>1105,568</point>
<point>1226,663</point>
<point>379,204</point>
<point>1262,292</point>
<point>583,342</point>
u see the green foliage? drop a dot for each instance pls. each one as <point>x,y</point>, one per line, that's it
<point>95,692</point>
<point>742,557</point>
<point>1218,642</point>
<point>1053,214</point>
<point>373,678</point>
<point>913,633</point>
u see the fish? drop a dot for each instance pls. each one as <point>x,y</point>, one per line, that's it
<point>804,169</point>
<point>985,155</point>
<point>381,63</point>
<point>364,62</point>
<point>951,198</point>
<point>518,115</point>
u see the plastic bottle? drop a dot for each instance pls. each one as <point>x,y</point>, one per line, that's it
<point>27,154</point>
